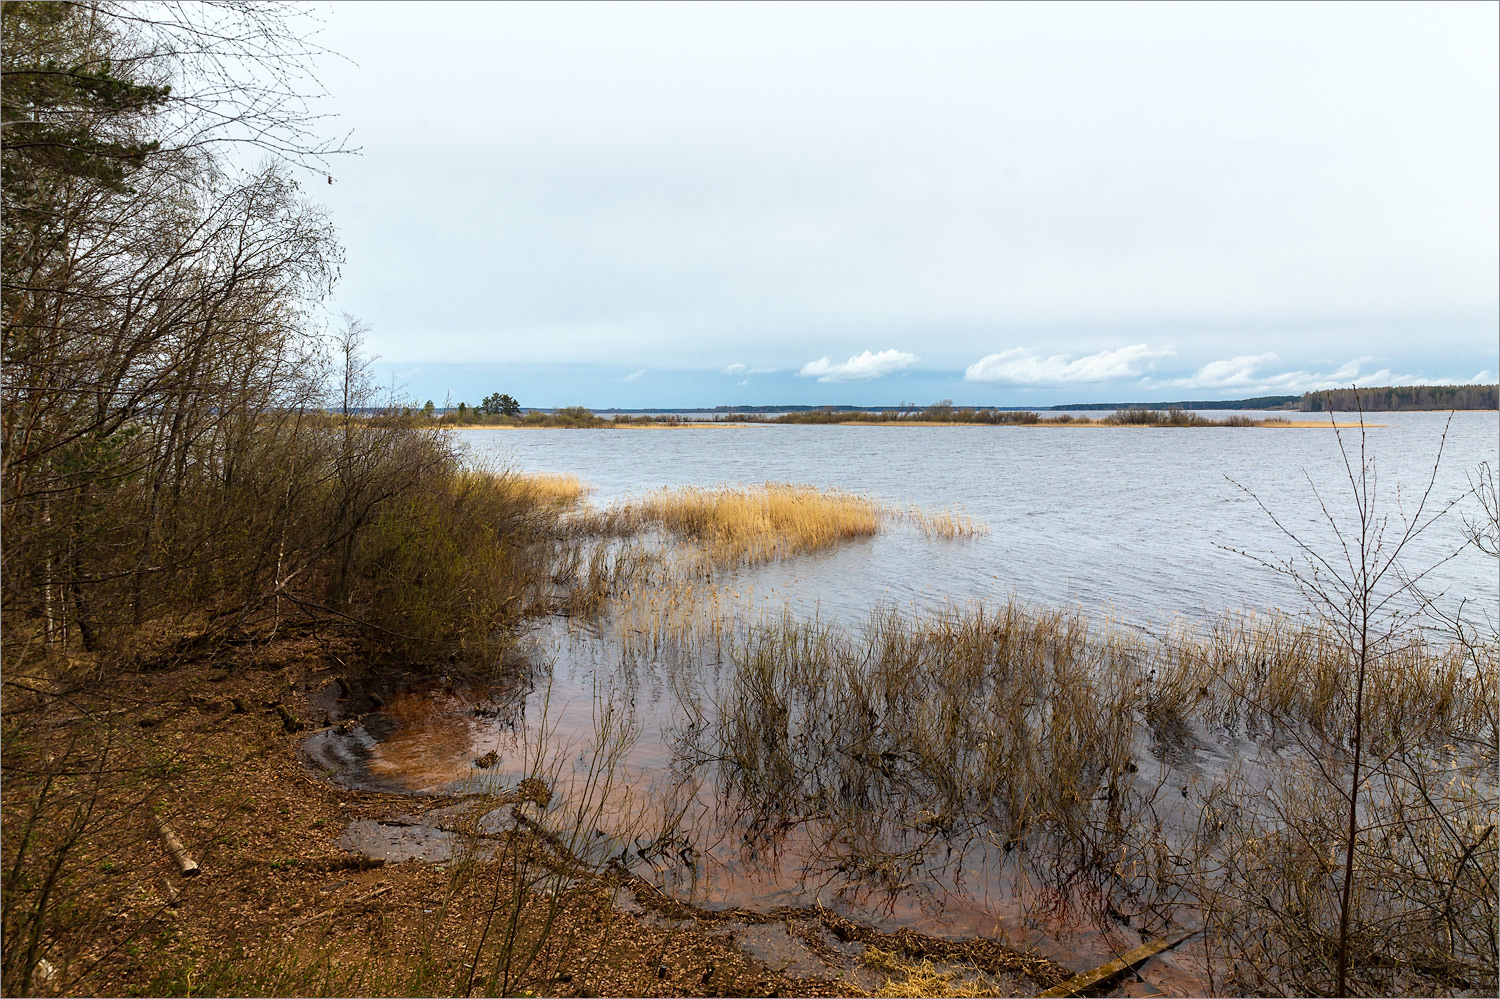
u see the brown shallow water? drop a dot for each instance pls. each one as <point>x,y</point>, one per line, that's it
<point>680,827</point>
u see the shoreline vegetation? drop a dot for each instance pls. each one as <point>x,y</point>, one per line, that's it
<point>503,410</point>
<point>580,418</point>
<point>222,541</point>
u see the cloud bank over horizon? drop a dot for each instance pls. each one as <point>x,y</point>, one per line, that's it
<point>1002,202</point>
<point>871,380</point>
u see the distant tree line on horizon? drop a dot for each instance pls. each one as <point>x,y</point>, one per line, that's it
<point>1395,398</point>
<point>500,409</point>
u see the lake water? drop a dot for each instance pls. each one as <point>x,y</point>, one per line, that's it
<point>1144,527</point>
<point>1141,525</point>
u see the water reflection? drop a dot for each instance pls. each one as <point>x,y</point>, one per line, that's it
<point>790,779</point>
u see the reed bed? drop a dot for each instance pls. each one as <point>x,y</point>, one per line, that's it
<point>748,525</point>
<point>1069,756</point>
<point>677,618</point>
<point>919,736</point>
<point>1184,418</point>
<point>1260,676</point>
<point>753,524</point>
<point>550,489</point>
<point>943,414</point>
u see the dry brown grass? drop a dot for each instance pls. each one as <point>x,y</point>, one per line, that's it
<point>1257,675</point>
<point>677,615</point>
<point>649,566</point>
<point>924,979</point>
<point>923,738</point>
<point>752,524</point>
<point>550,489</point>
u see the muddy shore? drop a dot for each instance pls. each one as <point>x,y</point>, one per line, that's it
<point>282,905</point>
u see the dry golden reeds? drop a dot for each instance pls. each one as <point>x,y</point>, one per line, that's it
<point>1075,751</point>
<point>754,524</point>
<point>555,489</point>
<point>950,523</point>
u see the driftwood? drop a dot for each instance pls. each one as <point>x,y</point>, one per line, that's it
<point>186,864</point>
<point>1080,982</point>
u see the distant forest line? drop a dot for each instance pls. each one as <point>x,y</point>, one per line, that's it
<point>1396,398</point>
<point>1378,399</point>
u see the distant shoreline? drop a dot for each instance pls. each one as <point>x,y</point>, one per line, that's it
<point>1350,407</point>
<point>1046,424</point>
<point>1369,399</point>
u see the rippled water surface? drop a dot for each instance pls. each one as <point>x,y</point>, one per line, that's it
<point>1142,524</point>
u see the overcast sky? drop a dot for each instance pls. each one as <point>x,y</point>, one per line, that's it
<point>677,205</point>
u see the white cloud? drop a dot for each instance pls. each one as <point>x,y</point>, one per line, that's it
<point>743,382</point>
<point>1019,366</point>
<point>742,369</point>
<point>1236,372</point>
<point>734,369</point>
<point>633,375</point>
<point>764,371</point>
<point>1257,375</point>
<point>860,368</point>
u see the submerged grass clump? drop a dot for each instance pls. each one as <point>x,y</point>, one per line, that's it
<point>1078,760</point>
<point>927,734</point>
<point>949,523</point>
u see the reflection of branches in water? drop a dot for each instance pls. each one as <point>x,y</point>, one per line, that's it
<point>1018,759</point>
<point>856,763</point>
<point>1008,754</point>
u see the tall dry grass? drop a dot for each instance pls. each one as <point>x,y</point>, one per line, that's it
<point>751,524</point>
<point>933,734</point>
<point>550,489</point>
<point>1071,756</point>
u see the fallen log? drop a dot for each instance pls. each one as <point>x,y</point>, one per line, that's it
<point>186,864</point>
<point>1084,980</point>
<point>350,863</point>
